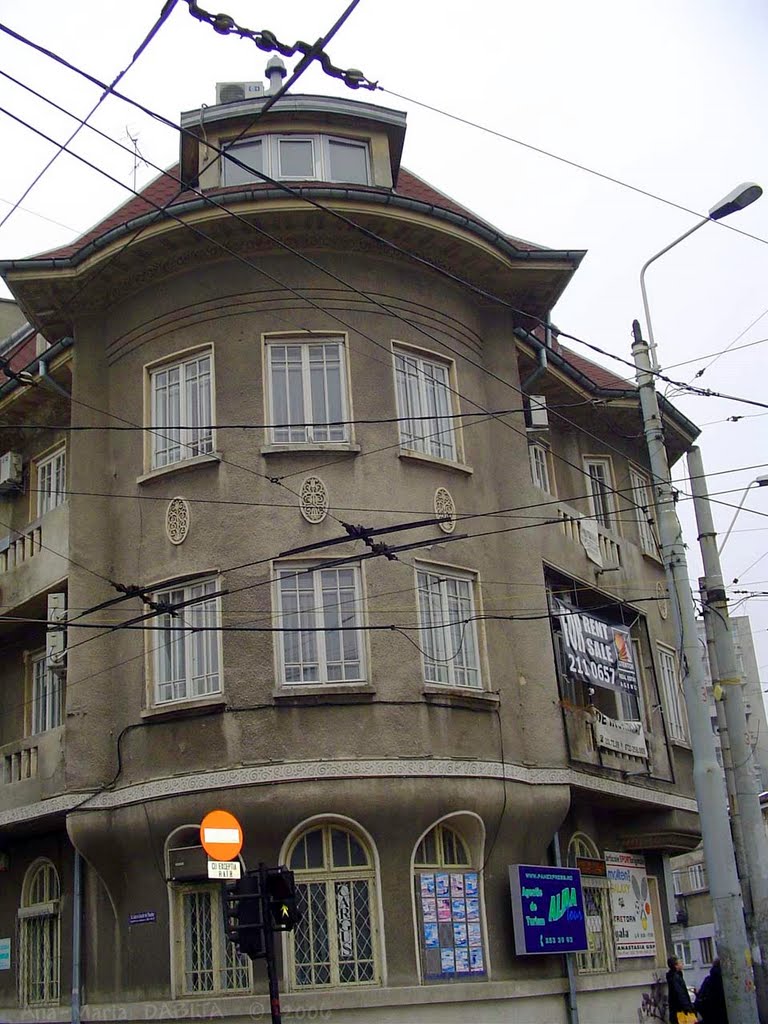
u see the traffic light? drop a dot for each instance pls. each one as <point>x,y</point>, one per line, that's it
<point>280,894</point>
<point>244,915</point>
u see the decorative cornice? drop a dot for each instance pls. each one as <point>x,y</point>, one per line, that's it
<point>312,771</point>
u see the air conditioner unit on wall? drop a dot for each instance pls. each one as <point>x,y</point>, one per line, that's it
<point>10,472</point>
<point>538,418</point>
<point>232,92</point>
<point>188,863</point>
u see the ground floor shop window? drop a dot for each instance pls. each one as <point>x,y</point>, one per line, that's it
<point>600,956</point>
<point>39,938</point>
<point>335,941</point>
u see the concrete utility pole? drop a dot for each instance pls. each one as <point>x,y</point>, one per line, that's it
<point>738,979</point>
<point>727,679</point>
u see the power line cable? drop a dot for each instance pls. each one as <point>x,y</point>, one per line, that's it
<point>165,13</point>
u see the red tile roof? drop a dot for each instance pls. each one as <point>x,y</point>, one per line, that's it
<point>599,376</point>
<point>163,190</point>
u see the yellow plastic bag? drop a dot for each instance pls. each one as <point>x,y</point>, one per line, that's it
<point>686,1017</point>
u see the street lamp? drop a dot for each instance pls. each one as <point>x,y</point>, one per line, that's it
<point>743,195</point>
<point>761,481</point>
<point>719,855</point>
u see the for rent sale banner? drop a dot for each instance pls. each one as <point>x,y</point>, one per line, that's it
<point>630,905</point>
<point>596,653</point>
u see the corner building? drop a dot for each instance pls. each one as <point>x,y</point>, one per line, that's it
<point>204,407</point>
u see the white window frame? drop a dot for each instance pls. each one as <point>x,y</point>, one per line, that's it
<point>314,431</point>
<point>318,885</point>
<point>40,936</point>
<point>46,696</point>
<point>418,393</point>
<point>451,653</point>
<point>673,699</point>
<point>697,878</point>
<point>642,496</point>
<point>51,480</point>
<point>677,881</point>
<point>683,952</point>
<point>194,433</point>
<point>322,163</point>
<point>601,492</point>
<point>197,647</point>
<point>538,456</point>
<point>227,972</point>
<point>303,581</point>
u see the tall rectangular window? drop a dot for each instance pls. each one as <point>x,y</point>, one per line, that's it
<point>187,655</point>
<point>51,475</point>
<point>47,694</point>
<point>539,459</point>
<point>320,612</point>
<point>600,493</point>
<point>670,683</point>
<point>448,629</point>
<point>308,392</point>
<point>706,950</point>
<point>424,405</point>
<point>643,500</point>
<point>182,411</point>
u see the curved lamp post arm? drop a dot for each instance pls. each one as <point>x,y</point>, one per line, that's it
<point>761,481</point>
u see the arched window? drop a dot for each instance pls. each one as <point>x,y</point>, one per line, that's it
<point>335,941</point>
<point>39,947</point>
<point>600,956</point>
<point>450,937</point>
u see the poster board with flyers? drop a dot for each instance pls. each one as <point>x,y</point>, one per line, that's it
<point>450,926</point>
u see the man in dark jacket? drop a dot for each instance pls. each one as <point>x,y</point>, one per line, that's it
<point>677,993</point>
<point>710,1002</point>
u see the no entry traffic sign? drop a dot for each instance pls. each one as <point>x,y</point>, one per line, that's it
<point>221,835</point>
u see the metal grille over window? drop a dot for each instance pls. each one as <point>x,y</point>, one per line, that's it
<point>446,508</point>
<point>211,964</point>
<point>177,520</point>
<point>39,937</point>
<point>334,942</point>
<point>313,500</point>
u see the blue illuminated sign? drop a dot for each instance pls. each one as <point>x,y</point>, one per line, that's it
<point>548,909</point>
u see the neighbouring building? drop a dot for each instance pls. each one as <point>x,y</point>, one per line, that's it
<point>300,522</point>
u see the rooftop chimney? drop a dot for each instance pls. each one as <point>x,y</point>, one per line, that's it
<point>275,73</point>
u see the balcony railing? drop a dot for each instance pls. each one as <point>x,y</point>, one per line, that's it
<point>20,547</point>
<point>610,548</point>
<point>21,764</point>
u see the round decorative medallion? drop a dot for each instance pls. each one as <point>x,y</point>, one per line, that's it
<point>177,520</point>
<point>661,593</point>
<point>445,506</point>
<point>313,500</point>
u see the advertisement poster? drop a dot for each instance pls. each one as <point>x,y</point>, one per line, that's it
<point>596,652</point>
<point>450,927</point>
<point>547,909</point>
<point>630,905</point>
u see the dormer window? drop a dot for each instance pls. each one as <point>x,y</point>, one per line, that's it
<point>298,158</point>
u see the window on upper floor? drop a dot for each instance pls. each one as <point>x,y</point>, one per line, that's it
<point>538,455</point>
<point>335,942</point>
<point>320,612</point>
<point>51,480</point>
<point>697,878</point>
<point>39,936</point>
<point>186,649</point>
<point>644,511</point>
<point>307,394</point>
<point>209,963</point>
<point>449,639</point>
<point>706,950</point>
<point>600,489</point>
<point>298,158</point>
<point>181,410</point>
<point>673,696</point>
<point>46,699</point>
<point>677,881</point>
<point>425,403</point>
<point>683,952</point>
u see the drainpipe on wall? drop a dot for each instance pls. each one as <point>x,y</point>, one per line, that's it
<point>77,936</point>
<point>571,1001</point>
<point>543,361</point>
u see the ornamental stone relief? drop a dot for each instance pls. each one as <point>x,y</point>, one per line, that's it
<point>313,500</point>
<point>446,507</point>
<point>177,520</point>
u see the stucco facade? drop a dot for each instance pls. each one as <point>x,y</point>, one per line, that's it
<point>398,741</point>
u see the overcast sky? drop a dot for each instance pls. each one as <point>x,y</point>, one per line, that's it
<point>666,95</point>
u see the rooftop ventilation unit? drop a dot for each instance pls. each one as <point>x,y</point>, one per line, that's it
<point>10,472</point>
<point>233,92</point>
